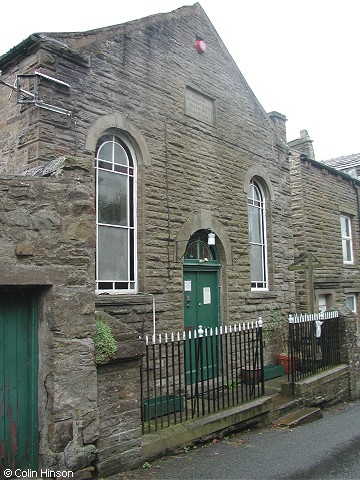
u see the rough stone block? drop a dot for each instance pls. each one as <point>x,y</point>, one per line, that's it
<point>78,457</point>
<point>60,434</point>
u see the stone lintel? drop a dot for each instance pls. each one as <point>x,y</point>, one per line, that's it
<point>33,277</point>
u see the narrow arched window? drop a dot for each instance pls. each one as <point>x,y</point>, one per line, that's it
<point>257,237</point>
<point>115,216</point>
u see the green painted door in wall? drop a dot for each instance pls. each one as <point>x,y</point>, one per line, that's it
<point>18,382</point>
<point>201,308</point>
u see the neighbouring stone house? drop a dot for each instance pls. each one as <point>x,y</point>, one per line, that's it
<point>326,220</point>
<point>326,232</point>
<point>141,177</point>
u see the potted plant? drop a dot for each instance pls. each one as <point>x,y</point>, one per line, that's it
<point>250,376</point>
<point>284,360</point>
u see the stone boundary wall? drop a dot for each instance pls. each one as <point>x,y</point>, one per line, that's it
<point>342,382</point>
<point>351,351</point>
<point>136,311</point>
<point>252,414</point>
<point>119,445</point>
<point>119,400</point>
<point>326,388</point>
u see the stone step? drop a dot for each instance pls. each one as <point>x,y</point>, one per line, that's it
<point>299,417</point>
<point>283,405</point>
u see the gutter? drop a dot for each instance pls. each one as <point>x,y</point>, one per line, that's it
<point>333,170</point>
<point>23,47</point>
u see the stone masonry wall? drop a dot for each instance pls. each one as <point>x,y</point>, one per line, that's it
<point>31,136</point>
<point>325,388</point>
<point>47,244</point>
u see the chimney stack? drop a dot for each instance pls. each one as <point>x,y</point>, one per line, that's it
<point>303,145</point>
<point>279,121</point>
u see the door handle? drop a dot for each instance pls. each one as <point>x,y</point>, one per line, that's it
<point>200,304</point>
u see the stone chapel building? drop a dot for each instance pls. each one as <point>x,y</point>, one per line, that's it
<point>140,176</point>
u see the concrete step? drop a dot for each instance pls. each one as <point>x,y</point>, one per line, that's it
<point>299,417</point>
<point>284,404</point>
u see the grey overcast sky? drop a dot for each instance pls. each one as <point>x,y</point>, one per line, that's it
<point>300,58</point>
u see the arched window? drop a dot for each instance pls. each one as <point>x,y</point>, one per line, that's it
<point>115,216</point>
<point>257,237</point>
<point>198,250</point>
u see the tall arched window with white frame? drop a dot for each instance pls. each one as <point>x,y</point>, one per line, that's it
<point>257,237</point>
<point>115,216</point>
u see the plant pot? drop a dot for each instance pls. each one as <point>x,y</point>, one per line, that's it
<point>284,359</point>
<point>250,376</point>
<point>161,406</point>
<point>273,371</point>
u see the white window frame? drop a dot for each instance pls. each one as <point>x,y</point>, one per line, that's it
<point>325,301</point>
<point>129,284</point>
<point>346,239</point>
<point>353,298</point>
<point>259,284</point>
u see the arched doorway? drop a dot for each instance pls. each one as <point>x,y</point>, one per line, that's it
<point>201,283</point>
<point>201,304</point>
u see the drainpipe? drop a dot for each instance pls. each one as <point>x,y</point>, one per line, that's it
<point>353,183</point>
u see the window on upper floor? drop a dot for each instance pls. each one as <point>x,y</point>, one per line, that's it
<point>257,237</point>
<point>115,216</point>
<point>346,238</point>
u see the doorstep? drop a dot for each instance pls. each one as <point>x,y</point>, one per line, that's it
<point>299,417</point>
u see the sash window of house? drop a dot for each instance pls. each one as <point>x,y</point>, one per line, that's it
<point>346,238</point>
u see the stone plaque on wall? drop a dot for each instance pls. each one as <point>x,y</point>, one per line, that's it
<point>199,106</point>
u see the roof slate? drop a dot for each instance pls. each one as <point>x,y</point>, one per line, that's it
<point>345,162</point>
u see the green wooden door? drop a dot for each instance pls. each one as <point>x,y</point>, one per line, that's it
<point>201,299</point>
<point>18,382</point>
<point>201,308</point>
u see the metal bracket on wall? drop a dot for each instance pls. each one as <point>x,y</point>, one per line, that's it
<point>30,94</point>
